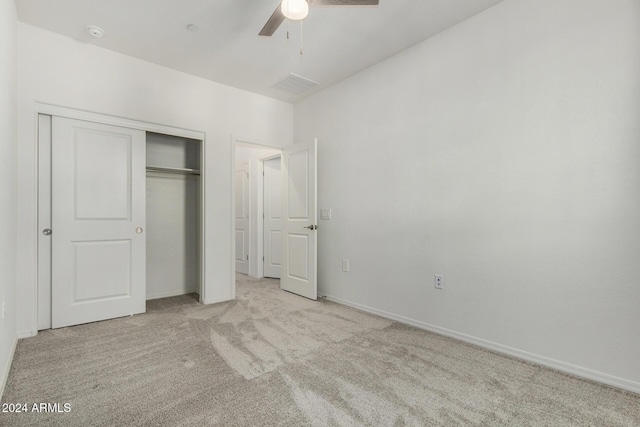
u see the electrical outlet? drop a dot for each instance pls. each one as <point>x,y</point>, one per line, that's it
<point>438,281</point>
<point>345,265</point>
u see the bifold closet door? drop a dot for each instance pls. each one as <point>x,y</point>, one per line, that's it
<point>98,220</point>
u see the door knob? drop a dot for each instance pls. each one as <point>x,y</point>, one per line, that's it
<point>139,230</point>
<point>312,227</point>
<point>47,232</point>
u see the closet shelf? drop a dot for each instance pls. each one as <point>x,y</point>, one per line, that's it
<point>179,171</point>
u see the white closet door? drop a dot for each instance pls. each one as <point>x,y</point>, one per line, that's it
<point>272,218</point>
<point>98,221</point>
<point>242,218</point>
<point>299,272</point>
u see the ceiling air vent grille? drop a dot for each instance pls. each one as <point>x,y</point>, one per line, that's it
<point>295,84</point>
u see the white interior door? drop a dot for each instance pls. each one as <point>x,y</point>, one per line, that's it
<point>299,258</point>
<point>272,217</point>
<point>242,218</point>
<point>98,221</point>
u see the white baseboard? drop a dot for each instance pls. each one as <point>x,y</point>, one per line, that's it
<point>171,294</point>
<point>521,354</point>
<point>7,368</point>
<point>27,334</point>
<point>216,300</point>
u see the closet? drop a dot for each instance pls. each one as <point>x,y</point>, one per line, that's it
<point>119,214</point>
<point>173,206</point>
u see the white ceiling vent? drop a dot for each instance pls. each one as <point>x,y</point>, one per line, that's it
<point>295,84</point>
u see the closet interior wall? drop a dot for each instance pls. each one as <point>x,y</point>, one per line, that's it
<point>173,215</point>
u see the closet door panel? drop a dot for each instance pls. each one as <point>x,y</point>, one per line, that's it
<point>98,220</point>
<point>102,167</point>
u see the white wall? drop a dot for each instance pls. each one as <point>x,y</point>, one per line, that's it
<point>8,184</point>
<point>504,154</point>
<point>252,155</point>
<point>58,70</point>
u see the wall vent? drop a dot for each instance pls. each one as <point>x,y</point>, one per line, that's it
<point>295,84</point>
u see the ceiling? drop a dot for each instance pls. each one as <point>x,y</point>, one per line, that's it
<point>336,41</point>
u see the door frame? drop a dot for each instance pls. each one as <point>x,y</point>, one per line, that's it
<point>236,142</point>
<point>43,178</point>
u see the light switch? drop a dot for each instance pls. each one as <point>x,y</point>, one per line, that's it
<point>325,213</point>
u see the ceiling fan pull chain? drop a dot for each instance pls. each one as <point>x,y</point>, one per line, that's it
<point>300,39</point>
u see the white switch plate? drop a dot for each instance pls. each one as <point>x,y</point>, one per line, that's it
<point>325,213</point>
<point>438,281</point>
<point>345,265</point>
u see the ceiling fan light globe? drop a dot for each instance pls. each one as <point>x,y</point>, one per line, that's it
<point>295,10</point>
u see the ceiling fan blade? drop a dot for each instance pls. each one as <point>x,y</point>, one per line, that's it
<point>277,16</point>
<point>273,23</point>
<point>343,2</point>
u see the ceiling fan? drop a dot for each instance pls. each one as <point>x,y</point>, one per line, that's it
<point>298,9</point>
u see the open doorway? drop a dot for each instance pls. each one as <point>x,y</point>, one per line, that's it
<point>298,232</point>
<point>250,235</point>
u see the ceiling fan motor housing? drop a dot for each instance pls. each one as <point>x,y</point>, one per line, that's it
<point>295,10</point>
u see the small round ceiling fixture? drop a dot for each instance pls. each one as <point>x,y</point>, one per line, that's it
<point>95,32</point>
<point>192,27</point>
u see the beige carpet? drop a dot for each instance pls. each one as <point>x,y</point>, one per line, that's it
<point>272,358</point>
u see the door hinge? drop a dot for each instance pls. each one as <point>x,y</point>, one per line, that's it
<point>262,259</point>
<point>247,257</point>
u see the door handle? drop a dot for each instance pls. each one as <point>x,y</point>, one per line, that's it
<point>47,232</point>
<point>312,227</point>
<point>139,230</point>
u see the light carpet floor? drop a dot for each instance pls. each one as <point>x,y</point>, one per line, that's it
<point>273,358</point>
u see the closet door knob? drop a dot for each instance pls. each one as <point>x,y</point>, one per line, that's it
<point>139,230</point>
<point>47,232</point>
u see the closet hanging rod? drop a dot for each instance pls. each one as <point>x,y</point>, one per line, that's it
<point>178,171</point>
